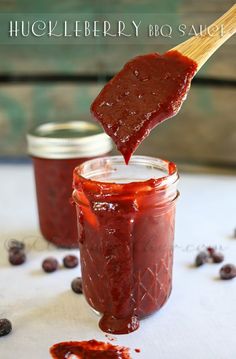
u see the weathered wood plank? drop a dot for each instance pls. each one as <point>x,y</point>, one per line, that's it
<point>209,6</point>
<point>109,55</point>
<point>204,130</point>
<point>24,106</point>
<point>121,6</point>
<point>94,60</point>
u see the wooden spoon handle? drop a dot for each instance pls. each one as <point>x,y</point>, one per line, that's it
<point>200,47</point>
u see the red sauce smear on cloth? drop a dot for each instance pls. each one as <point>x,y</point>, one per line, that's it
<point>148,90</point>
<point>91,349</point>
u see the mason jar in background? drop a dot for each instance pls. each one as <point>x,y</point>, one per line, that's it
<point>126,217</point>
<point>56,149</point>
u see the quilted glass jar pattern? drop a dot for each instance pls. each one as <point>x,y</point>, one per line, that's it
<point>126,218</point>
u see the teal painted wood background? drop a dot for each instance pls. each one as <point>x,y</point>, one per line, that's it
<point>204,131</point>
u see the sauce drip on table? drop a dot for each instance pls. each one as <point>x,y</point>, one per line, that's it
<point>148,90</point>
<point>91,349</point>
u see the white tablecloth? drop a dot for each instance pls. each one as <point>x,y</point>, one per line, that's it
<point>199,320</point>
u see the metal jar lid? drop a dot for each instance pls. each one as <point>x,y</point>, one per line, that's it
<point>74,139</point>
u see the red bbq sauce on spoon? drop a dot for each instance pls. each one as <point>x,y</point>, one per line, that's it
<point>147,91</point>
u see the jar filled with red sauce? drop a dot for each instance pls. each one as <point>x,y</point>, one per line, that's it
<point>56,149</point>
<point>126,219</point>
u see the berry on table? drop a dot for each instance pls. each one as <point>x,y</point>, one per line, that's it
<point>16,257</point>
<point>50,265</point>
<point>70,261</point>
<point>76,285</point>
<point>201,259</point>
<point>5,327</point>
<point>228,271</point>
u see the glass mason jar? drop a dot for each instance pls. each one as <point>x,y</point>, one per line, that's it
<point>126,217</point>
<point>56,149</point>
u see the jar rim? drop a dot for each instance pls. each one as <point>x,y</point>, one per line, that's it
<point>171,176</point>
<point>70,139</point>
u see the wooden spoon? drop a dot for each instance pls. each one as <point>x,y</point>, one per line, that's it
<point>138,98</point>
<point>200,47</point>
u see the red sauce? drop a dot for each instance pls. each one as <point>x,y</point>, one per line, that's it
<point>109,337</point>
<point>126,244</point>
<point>57,216</point>
<point>147,91</point>
<point>89,350</point>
